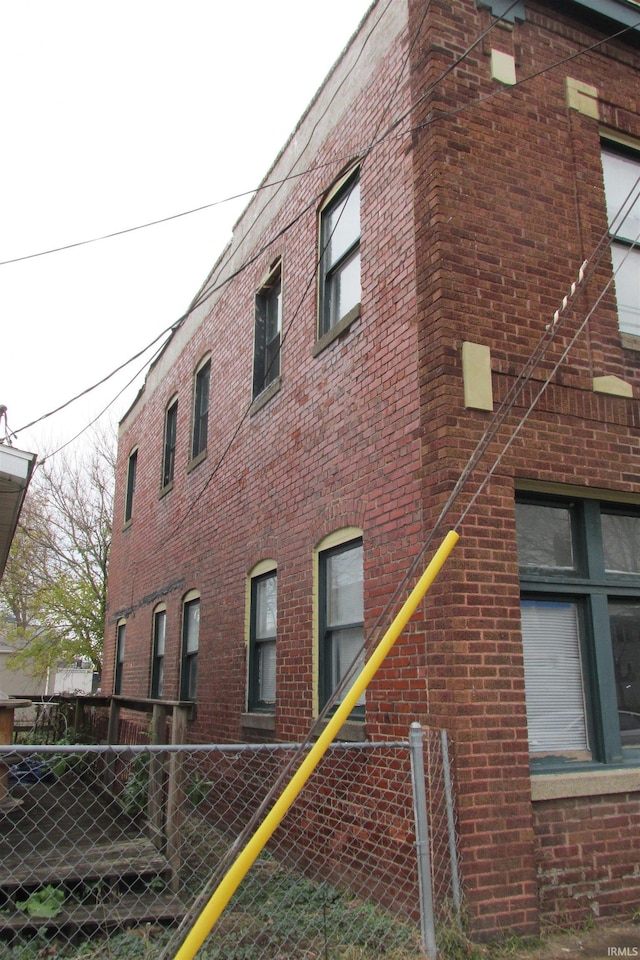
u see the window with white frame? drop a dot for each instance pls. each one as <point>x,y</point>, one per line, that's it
<point>157,655</point>
<point>341,617</point>
<point>132,471</point>
<point>201,409</point>
<point>621,167</point>
<point>340,255</point>
<point>169,447</point>
<point>268,328</point>
<point>262,641</point>
<point>580,602</point>
<point>190,645</point>
<point>121,630</point>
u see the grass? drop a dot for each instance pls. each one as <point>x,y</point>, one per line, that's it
<point>276,915</point>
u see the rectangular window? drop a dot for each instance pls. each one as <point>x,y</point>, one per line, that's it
<point>262,642</point>
<point>120,639</point>
<point>169,452</point>
<point>190,642</point>
<point>201,409</point>
<point>621,172</point>
<point>580,588</point>
<point>132,470</point>
<point>268,326</point>
<point>340,256</point>
<point>157,662</point>
<point>341,617</point>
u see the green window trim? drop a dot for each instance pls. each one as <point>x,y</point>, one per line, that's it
<point>600,579</point>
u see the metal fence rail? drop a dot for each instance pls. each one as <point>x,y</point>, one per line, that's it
<point>110,851</point>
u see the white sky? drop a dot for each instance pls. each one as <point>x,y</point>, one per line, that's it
<point>117,113</point>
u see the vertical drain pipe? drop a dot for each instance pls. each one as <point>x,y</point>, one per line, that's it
<point>423,853</point>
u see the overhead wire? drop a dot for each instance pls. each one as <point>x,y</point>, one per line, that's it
<point>503,410</point>
<point>207,293</point>
<point>99,383</point>
<point>199,300</point>
<point>347,678</point>
<point>49,455</point>
<point>218,268</point>
<point>537,355</point>
<point>311,279</point>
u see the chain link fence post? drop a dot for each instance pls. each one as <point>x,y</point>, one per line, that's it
<point>427,922</point>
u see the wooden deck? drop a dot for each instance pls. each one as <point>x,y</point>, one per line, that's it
<point>75,836</point>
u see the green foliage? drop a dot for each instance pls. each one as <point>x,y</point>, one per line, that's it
<point>135,791</point>
<point>198,789</point>
<point>43,903</point>
<point>53,593</point>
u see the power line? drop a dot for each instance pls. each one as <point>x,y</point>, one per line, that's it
<point>207,292</point>
<point>246,193</point>
<point>99,383</point>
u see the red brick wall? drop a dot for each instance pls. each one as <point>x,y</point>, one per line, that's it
<point>588,852</point>
<point>473,228</point>
<point>338,445</point>
<point>509,202</point>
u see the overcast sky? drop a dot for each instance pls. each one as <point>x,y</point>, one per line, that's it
<point>112,115</point>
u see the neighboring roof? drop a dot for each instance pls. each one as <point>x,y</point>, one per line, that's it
<point>16,468</point>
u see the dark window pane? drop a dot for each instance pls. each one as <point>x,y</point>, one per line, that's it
<point>624,619</point>
<point>544,536</point>
<point>170,430</point>
<point>621,542</point>
<point>268,323</point>
<point>132,470</point>
<point>201,410</point>
<point>157,666</point>
<point>190,644</point>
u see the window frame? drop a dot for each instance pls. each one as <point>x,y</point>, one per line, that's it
<point>255,703</point>
<point>170,436</point>
<point>201,406</point>
<point>156,685</point>
<point>331,547</point>
<point>330,324</point>
<point>118,671</point>
<point>266,355</point>
<point>622,245</point>
<point>132,474</point>
<point>593,589</point>
<point>189,658</point>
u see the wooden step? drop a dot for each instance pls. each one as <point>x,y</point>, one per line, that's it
<point>126,858</point>
<point>116,913</point>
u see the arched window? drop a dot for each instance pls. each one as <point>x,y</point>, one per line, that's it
<point>340,619</point>
<point>157,651</point>
<point>263,619</point>
<point>190,645</point>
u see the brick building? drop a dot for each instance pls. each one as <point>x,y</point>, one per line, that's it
<point>390,286</point>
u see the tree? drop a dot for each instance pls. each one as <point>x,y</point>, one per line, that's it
<point>54,588</point>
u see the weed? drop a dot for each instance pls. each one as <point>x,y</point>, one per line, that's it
<point>135,791</point>
<point>46,902</point>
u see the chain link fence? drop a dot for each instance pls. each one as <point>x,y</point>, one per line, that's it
<point>112,851</point>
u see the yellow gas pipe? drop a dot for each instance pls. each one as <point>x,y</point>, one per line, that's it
<point>241,865</point>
